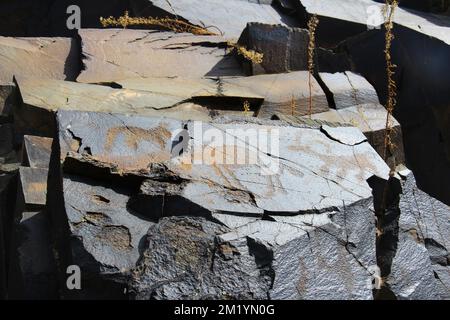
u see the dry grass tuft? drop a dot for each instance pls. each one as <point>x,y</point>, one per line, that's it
<point>293,105</point>
<point>174,25</point>
<point>247,110</point>
<point>250,55</point>
<point>389,11</point>
<point>312,26</point>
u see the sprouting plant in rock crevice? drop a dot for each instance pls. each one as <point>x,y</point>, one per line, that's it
<point>175,25</point>
<point>389,11</point>
<point>312,26</point>
<point>246,108</point>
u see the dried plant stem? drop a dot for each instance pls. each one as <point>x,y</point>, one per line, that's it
<point>312,26</point>
<point>390,67</point>
<point>175,25</point>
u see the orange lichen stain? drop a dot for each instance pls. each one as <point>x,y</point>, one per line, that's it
<point>37,187</point>
<point>134,135</point>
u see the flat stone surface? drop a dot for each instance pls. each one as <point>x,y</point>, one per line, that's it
<point>52,58</point>
<point>118,54</point>
<point>284,48</point>
<point>42,97</point>
<point>36,151</point>
<point>34,185</point>
<point>371,120</point>
<point>229,18</point>
<point>102,226</point>
<point>348,89</point>
<point>132,143</point>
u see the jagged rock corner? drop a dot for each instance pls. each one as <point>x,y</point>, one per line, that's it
<point>88,177</point>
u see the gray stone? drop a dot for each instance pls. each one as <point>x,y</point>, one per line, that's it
<point>355,11</point>
<point>118,54</point>
<point>36,151</point>
<point>256,221</point>
<point>348,89</point>
<point>228,18</point>
<point>32,269</point>
<point>131,144</point>
<point>421,263</point>
<point>52,58</point>
<point>328,262</point>
<point>371,120</point>
<point>285,93</point>
<point>41,98</point>
<point>173,264</point>
<point>284,48</point>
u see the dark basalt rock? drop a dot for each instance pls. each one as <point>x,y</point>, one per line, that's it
<point>185,259</point>
<point>420,267</point>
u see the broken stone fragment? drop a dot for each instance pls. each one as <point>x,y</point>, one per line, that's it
<point>420,266</point>
<point>101,235</point>
<point>347,89</point>
<point>32,270</point>
<point>118,54</point>
<point>48,58</point>
<point>131,144</point>
<point>284,49</point>
<point>41,98</point>
<point>174,259</point>
<point>371,120</point>
<point>36,151</point>
<point>228,19</point>
<point>285,93</point>
<point>333,261</point>
<point>120,178</point>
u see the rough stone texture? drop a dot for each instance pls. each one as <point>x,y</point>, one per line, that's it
<point>131,143</point>
<point>347,89</point>
<point>284,48</point>
<point>53,58</point>
<point>329,262</point>
<point>420,266</point>
<point>185,259</point>
<point>32,269</point>
<point>118,54</point>
<point>228,18</point>
<point>264,217</point>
